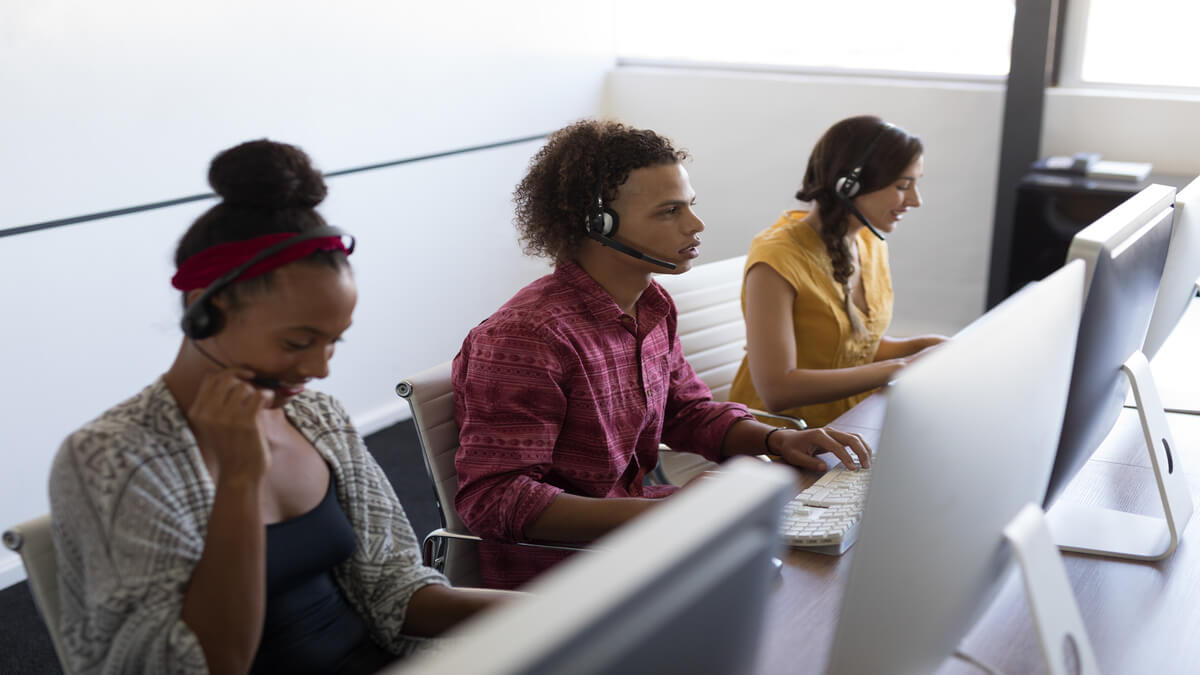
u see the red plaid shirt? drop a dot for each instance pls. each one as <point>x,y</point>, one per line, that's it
<point>561,391</point>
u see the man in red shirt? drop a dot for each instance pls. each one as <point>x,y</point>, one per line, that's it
<point>563,395</point>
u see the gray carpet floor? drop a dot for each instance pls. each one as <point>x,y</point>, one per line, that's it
<point>25,647</point>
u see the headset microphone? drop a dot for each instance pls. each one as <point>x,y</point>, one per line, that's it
<point>262,382</point>
<point>849,183</point>
<point>601,224</point>
<point>858,214</point>
<point>618,246</point>
<point>266,383</point>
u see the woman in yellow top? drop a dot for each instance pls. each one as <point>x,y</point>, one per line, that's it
<point>817,296</point>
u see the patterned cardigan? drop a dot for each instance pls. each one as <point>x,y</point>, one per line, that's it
<point>130,500</point>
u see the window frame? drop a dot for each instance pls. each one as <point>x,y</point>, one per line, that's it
<point>825,71</point>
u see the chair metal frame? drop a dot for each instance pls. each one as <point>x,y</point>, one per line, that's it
<point>431,412</point>
<point>33,540</point>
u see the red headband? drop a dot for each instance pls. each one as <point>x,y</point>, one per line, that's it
<point>210,264</point>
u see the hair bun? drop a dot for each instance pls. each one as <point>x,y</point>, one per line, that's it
<point>266,174</point>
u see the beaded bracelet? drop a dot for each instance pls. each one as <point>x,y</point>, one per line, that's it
<point>767,441</point>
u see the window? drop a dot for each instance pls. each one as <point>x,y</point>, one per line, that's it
<point>1146,43</point>
<point>935,37</point>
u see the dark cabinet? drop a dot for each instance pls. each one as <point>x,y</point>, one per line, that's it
<point>1050,209</point>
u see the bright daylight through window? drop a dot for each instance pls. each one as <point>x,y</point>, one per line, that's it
<point>1148,42</point>
<point>937,37</point>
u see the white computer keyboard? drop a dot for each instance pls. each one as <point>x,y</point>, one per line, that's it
<point>824,517</point>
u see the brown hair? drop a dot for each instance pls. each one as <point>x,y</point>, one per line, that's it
<point>834,155</point>
<point>578,161</point>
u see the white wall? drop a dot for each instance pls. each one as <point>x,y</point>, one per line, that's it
<point>117,103</point>
<point>1125,127</point>
<point>126,102</point>
<point>750,136</point>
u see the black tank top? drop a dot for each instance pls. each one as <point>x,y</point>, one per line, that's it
<point>309,627</point>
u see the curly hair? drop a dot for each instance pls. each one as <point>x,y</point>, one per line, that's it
<point>832,157</point>
<point>577,162</point>
<point>265,188</point>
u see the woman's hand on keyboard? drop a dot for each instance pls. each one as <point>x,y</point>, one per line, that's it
<point>800,448</point>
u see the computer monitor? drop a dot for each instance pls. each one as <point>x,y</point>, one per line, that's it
<point>1181,272</point>
<point>1125,252</point>
<point>967,444</point>
<point>682,589</point>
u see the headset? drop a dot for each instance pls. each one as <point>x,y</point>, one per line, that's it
<point>849,183</point>
<point>601,224</point>
<point>202,319</point>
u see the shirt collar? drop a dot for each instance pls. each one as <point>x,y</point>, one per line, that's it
<point>652,307</point>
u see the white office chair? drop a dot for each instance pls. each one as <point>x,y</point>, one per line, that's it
<point>713,336</point>
<point>451,549</point>
<point>35,544</point>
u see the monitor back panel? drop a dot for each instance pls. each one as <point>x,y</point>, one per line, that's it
<point>1181,271</point>
<point>968,440</point>
<point>1120,299</point>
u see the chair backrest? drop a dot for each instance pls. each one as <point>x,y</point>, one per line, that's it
<point>35,543</point>
<point>430,394</point>
<point>711,329</point>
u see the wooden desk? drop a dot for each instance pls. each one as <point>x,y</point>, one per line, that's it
<point>1141,618</point>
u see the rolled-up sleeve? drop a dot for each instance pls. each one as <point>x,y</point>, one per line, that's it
<point>510,408</point>
<point>125,555</point>
<point>693,420</point>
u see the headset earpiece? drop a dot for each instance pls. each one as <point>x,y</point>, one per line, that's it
<point>601,219</point>
<point>848,184</point>
<point>203,319</point>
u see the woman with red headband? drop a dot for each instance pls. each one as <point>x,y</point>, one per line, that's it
<point>225,519</point>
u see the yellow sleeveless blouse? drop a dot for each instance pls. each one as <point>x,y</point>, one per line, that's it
<point>824,335</point>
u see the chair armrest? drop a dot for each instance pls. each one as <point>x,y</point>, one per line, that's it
<point>436,558</point>
<point>794,421</point>
<point>556,547</point>
<point>443,533</point>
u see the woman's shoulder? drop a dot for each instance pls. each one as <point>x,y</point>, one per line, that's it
<point>150,414</point>
<point>140,435</point>
<point>787,246</point>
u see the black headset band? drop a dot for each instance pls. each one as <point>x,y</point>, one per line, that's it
<point>200,321</point>
<point>855,173</point>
